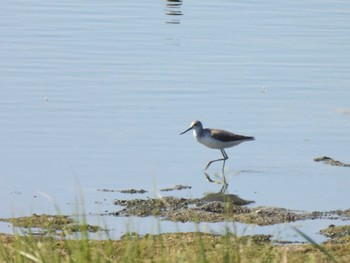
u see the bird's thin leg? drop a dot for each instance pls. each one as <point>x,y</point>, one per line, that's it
<point>225,158</point>
<point>224,184</point>
<point>210,162</point>
<point>221,159</point>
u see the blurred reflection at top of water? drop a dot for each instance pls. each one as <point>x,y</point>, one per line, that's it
<point>173,8</point>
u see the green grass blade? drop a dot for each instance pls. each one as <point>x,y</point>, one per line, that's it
<point>314,243</point>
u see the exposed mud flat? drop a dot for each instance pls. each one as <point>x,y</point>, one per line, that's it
<point>126,191</point>
<point>202,210</point>
<point>50,223</point>
<point>177,187</point>
<point>331,161</point>
<point>336,232</point>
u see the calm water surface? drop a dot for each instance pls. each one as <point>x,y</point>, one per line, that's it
<point>94,95</point>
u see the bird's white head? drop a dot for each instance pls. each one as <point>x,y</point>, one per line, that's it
<point>196,125</point>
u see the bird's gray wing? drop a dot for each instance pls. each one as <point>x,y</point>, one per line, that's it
<point>227,136</point>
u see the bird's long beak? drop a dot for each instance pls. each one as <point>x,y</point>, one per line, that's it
<point>186,130</point>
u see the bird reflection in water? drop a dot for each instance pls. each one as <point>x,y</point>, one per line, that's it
<point>221,196</point>
<point>173,10</point>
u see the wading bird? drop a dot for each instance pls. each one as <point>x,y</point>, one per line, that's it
<point>216,139</point>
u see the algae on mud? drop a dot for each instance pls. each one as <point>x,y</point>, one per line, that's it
<point>51,223</point>
<point>336,231</point>
<point>202,210</point>
<point>169,247</point>
<point>331,161</point>
<point>126,191</point>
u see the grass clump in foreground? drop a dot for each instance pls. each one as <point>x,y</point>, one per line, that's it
<point>67,240</point>
<point>174,247</point>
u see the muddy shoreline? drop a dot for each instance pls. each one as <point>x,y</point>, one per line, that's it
<point>62,225</point>
<point>216,210</point>
<point>212,208</point>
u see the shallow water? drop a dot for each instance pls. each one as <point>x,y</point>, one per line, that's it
<point>94,95</point>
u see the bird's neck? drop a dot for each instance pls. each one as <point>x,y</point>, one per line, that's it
<point>197,133</point>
